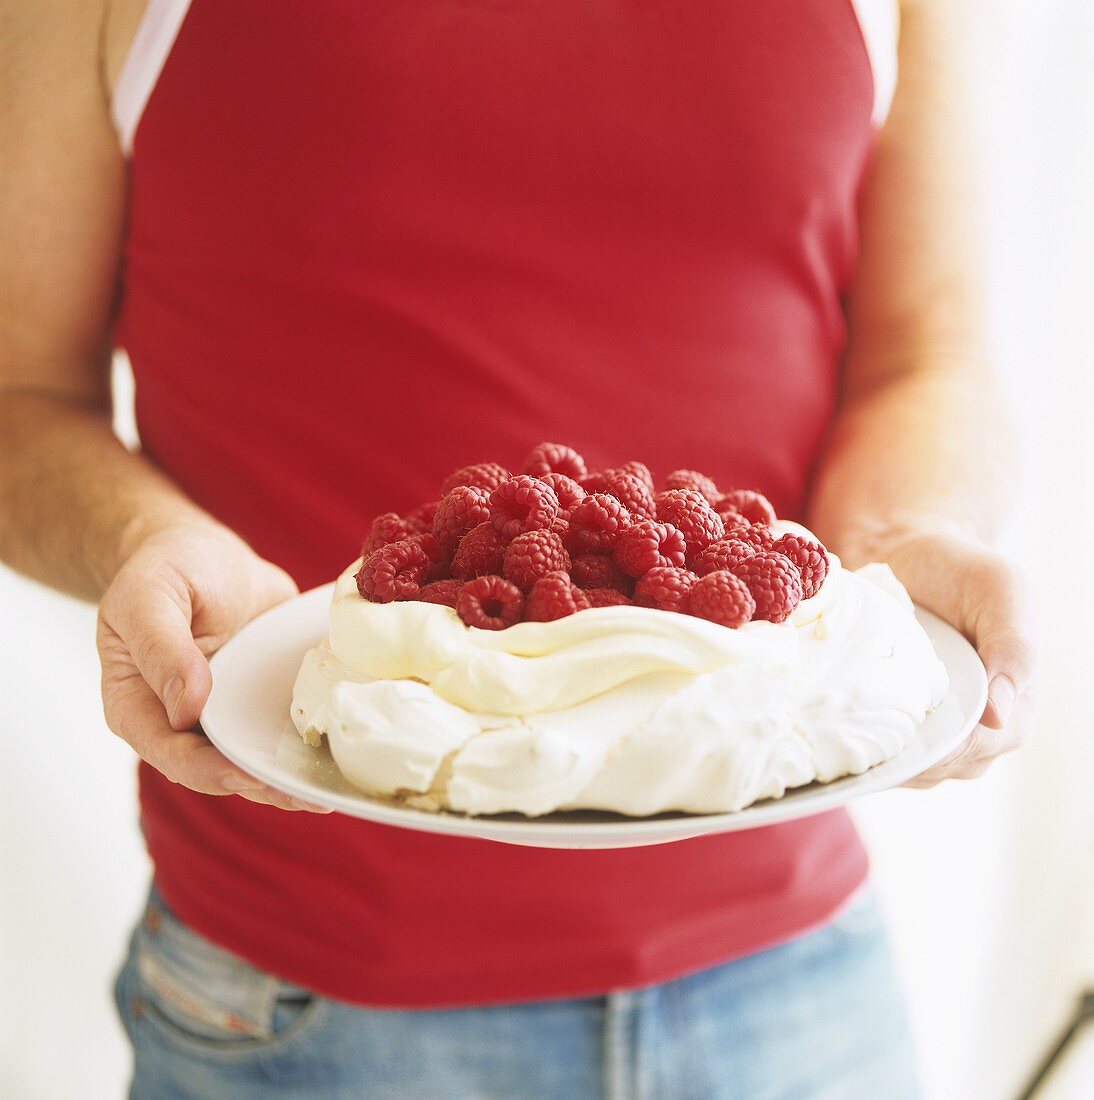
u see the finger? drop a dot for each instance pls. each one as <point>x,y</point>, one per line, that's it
<point>269,796</point>
<point>972,758</point>
<point>187,757</point>
<point>154,627</point>
<point>1004,631</point>
<point>135,714</point>
<point>970,769</point>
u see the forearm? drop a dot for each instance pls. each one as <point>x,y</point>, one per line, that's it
<point>925,449</point>
<point>74,503</point>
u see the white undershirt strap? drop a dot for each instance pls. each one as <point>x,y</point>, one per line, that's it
<point>880,23</point>
<point>152,43</point>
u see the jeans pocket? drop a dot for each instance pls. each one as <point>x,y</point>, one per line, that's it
<point>206,999</point>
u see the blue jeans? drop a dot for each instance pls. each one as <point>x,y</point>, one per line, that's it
<point>818,1018</point>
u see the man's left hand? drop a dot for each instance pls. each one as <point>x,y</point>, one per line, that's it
<point>983,595</point>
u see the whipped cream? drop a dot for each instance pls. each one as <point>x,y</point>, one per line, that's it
<point>618,708</point>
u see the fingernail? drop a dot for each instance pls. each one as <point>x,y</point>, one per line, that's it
<point>1001,693</point>
<point>172,696</point>
<point>235,782</point>
<point>300,804</point>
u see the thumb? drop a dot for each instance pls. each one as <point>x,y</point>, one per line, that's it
<point>154,624</point>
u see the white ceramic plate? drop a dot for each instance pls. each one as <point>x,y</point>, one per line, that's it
<point>246,717</point>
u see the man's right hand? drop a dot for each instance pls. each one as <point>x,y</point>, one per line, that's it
<point>180,596</point>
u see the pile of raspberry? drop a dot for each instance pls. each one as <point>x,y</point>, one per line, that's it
<point>554,539</point>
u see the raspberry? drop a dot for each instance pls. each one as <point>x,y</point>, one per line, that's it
<point>734,522</point>
<point>595,482</point>
<point>647,544</point>
<point>387,528</point>
<point>393,572</point>
<point>726,553</point>
<point>421,518</point>
<point>722,598</point>
<point>775,584</point>
<point>605,597</point>
<point>554,597</point>
<point>567,490</point>
<point>757,535</point>
<point>533,555</point>
<point>490,603</point>
<point>755,507</point>
<point>523,503</point>
<point>665,587</point>
<point>464,507</point>
<point>692,479</point>
<point>443,592</point>
<point>554,458</point>
<point>596,523</point>
<point>809,556</point>
<point>479,553</point>
<point>640,470</point>
<point>690,512</point>
<point>438,558</point>
<point>632,492</point>
<point>483,475</point>
<point>598,571</point>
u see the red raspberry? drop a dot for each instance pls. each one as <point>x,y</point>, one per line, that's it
<point>631,491</point>
<point>598,571</point>
<point>809,556</point>
<point>483,475</point>
<point>665,587</point>
<point>647,544</point>
<point>596,523</point>
<point>775,584</point>
<point>394,572</point>
<point>421,518</point>
<point>640,470</point>
<point>692,479</point>
<point>386,529</point>
<point>605,597</point>
<point>595,482</point>
<point>567,490</point>
<point>690,512</point>
<point>523,503</point>
<point>735,523</point>
<point>479,553</point>
<point>758,535</point>
<point>464,507</point>
<point>439,559</point>
<point>755,507</point>
<point>443,592</point>
<point>724,554</point>
<point>533,555</point>
<point>554,458</point>
<point>722,598</point>
<point>554,597</point>
<point>490,603</point>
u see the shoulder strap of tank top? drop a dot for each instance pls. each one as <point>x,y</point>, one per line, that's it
<point>880,24</point>
<point>159,26</point>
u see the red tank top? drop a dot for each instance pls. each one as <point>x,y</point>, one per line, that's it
<point>370,242</point>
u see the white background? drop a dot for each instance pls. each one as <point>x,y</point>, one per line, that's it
<point>988,885</point>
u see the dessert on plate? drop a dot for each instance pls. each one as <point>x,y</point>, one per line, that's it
<point>560,639</point>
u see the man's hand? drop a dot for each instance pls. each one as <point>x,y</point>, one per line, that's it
<point>980,593</point>
<point>180,596</point>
